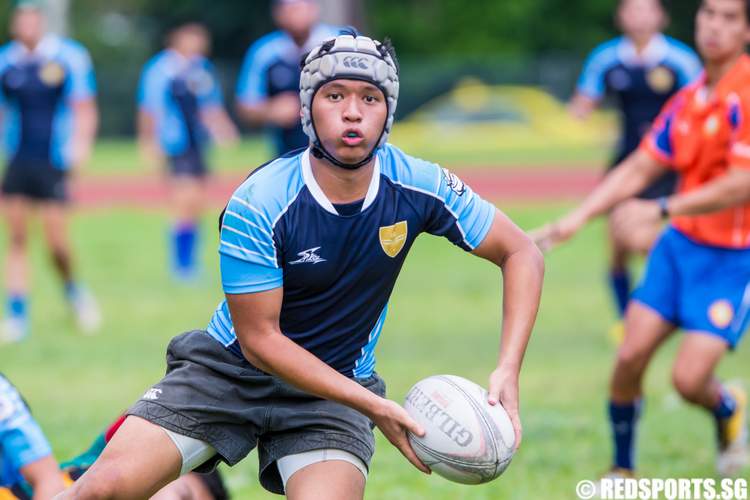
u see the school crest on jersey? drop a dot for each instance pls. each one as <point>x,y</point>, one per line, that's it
<point>393,238</point>
<point>660,80</point>
<point>52,74</point>
<point>721,313</point>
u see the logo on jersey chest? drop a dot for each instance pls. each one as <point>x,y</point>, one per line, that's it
<point>660,79</point>
<point>309,256</point>
<point>51,74</point>
<point>393,238</point>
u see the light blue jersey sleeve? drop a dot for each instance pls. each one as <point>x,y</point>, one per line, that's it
<point>21,440</point>
<point>252,83</point>
<point>3,66</point>
<point>684,60</point>
<point>82,83</point>
<point>464,218</point>
<point>152,87</point>
<point>592,81</point>
<point>247,249</point>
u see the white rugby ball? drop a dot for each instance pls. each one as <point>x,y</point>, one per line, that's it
<point>466,439</point>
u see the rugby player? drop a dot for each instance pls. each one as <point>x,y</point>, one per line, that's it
<point>26,458</point>
<point>179,108</point>
<point>49,115</point>
<point>698,272</point>
<point>268,85</point>
<point>642,69</point>
<point>311,245</point>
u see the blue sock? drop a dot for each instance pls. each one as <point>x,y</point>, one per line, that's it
<point>726,406</point>
<point>624,421</point>
<point>184,238</point>
<point>619,282</point>
<point>71,290</point>
<point>17,306</point>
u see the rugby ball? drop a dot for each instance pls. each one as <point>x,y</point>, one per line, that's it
<point>466,440</point>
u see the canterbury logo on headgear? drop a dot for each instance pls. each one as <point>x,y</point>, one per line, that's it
<point>355,62</point>
<point>348,56</point>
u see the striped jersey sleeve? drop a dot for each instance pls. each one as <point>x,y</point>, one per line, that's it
<point>247,248</point>
<point>462,216</point>
<point>82,83</point>
<point>592,81</point>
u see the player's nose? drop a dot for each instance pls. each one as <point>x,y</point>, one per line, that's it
<point>352,110</point>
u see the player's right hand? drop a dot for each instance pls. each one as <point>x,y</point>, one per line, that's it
<point>549,236</point>
<point>284,110</point>
<point>394,422</point>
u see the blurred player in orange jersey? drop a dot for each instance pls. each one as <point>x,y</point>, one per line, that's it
<point>642,69</point>
<point>180,108</point>
<point>698,275</point>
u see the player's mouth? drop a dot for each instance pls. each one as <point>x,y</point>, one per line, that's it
<point>352,137</point>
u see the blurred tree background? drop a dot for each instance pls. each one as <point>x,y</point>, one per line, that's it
<point>539,42</point>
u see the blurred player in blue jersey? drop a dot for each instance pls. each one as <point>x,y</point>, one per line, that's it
<point>48,112</point>
<point>180,108</point>
<point>311,246</point>
<point>642,69</point>
<point>268,85</point>
<point>25,455</point>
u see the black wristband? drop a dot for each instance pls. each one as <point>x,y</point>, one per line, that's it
<point>664,207</point>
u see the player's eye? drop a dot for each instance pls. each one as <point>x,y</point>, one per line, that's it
<point>335,96</point>
<point>370,99</point>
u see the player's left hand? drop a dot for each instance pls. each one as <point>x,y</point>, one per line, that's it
<point>503,389</point>
<point>549,236</point>
<point>631,215</point>
<point>80,153</point>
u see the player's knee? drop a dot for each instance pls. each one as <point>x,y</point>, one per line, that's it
<point>60,255</point>
<point>631,359</point>
<point>687,384</point>
<point>17,240</point>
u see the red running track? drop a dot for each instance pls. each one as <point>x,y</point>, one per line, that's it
<point>506,184</point>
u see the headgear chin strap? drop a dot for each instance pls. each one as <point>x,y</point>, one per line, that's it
<point>354,58</point>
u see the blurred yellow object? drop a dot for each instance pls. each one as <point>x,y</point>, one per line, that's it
<point>617,333</point>
<point>475,117</point>
<point>6,494</point>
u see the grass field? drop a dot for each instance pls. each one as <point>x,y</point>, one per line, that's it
<point>444,318</point>
<point>121,157</point>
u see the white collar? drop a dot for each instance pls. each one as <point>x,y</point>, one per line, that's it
<point>652,55</point>
<point>47,48</point>
<point>322,199</point>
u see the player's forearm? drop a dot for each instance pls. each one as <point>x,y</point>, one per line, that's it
<point>219,125</point>
<point>629,178</point>
<point>255,114</point>
<point>523,275</point>
<point>275,353</point>
<point>86,119</point>
<point>727,191</point>
<point>581,106</point>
